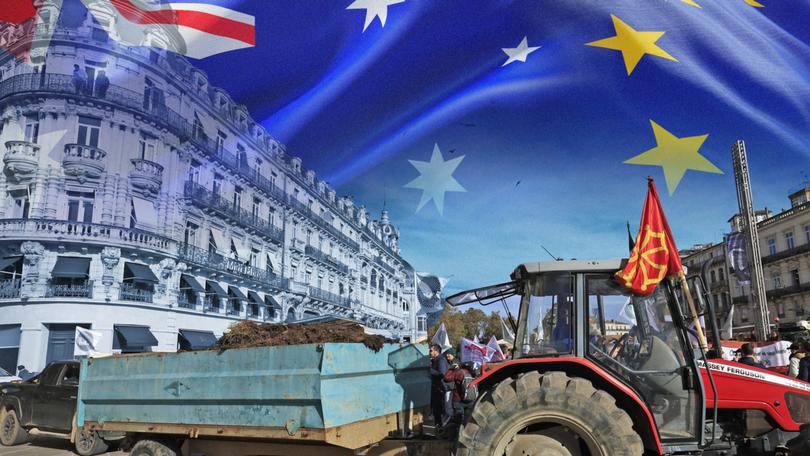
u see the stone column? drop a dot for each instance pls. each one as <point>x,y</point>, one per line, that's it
<point>33,283</point>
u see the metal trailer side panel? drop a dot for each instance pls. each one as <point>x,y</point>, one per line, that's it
<point>310,392</point>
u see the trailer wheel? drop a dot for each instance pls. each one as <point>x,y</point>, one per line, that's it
<point>154,448</point>
<point>520,417</point>
<point>11,431</point>
<point>89,443</point>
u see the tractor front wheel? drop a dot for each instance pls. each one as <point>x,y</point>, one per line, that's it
<point>551,413</point>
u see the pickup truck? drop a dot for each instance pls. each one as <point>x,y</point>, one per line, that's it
<point>46,405</point>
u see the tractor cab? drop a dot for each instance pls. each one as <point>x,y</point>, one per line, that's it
<point>575,310</point>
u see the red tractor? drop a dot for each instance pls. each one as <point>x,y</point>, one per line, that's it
<point>599,371</point>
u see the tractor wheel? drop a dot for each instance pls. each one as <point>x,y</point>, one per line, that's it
<point>154,448</point>
<point>11,431</point>
<point>551,413</point>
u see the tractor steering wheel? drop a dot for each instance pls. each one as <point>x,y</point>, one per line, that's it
<point>625,351</point>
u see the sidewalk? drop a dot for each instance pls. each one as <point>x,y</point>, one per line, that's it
<point>45,447</point>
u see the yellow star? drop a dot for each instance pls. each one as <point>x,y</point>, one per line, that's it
<point>632,44</point>
<point>675,155</point>
<point>755,3</point>
<point>693,3</point>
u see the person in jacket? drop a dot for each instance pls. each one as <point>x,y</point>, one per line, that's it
<point>796,354</point>
<point>79,79</point>
<point>454,377</point>
<point>804,364</point>
<point>747,356</point>
<point>440,400</point>
<point>102,84</point>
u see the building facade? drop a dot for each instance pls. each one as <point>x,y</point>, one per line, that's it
<point>139,201</point>
<point>785,242</point>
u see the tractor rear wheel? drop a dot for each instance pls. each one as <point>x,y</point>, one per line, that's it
<point>549,413</point>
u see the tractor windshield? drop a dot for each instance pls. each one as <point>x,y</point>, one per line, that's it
<point>547,310</point>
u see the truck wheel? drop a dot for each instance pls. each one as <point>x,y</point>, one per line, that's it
<point>11,431</point>
<point>520,417</point>
<point>154,448</point>
<point>89,443</point>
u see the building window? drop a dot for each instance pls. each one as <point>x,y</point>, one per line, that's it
<point>194,172</point>
<point>254,211</point>
<point>794,274</point>
<point>20,204</point>
<point>254,258</point>
<point>308,277</point>
<point>237,197</point>
<point>197,129</point>
<point>780,309</point>
<point>807,233</point>
<point>217,187</point>
<point>713,277</point>
<point>373,278</point>
<point>777,279</point>
<point>153,98</point>
<point>258,167</point>
<point>771,246</point>
<point>309,237</point>
<point>31,128</point>
<point>80,206</point>
<point>273,177</point>
<point>89,128</point>
<point>789,240</point>
<point>241,156</point>
<point>271,216</point>
<point>221,141</point>
<point>147,147</point>
<point>190,235</point>
<point>212,244</point>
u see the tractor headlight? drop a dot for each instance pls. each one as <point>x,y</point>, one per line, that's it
<point>799,407</point>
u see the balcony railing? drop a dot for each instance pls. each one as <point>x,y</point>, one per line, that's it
<point>325,259</point>
<point>784,291</point>
<point>146,175</point>
<point>379,261</point>
<point>132,293</point>
<point>253,310</point>
<point>217,262</point>
<point>211,304</point>
<point>786,253</point>
<point>234,310</point>
<point>79,231</point>
<point>324,295</point>
<point>10,288</point>
<point>185,303</point>
<point>83,161</point>
<point>206,199</point>
<point>70,290</point>
<point>21,158</point>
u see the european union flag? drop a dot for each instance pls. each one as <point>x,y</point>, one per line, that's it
<point>488,128</point>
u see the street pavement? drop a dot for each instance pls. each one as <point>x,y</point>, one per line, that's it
<point>42,446</point>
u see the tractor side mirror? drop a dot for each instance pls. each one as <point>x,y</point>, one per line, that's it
<point>698,289</point>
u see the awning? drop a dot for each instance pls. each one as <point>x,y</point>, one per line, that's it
<point>141,273</point>
<point>196,340</point>
<point>217,289</point>
<point>273,301</point>
<point>6,262</point>
<point>255,297</point>
<point>134,337</point>
<point>236,293</point>
<point>192,283</point>
<point>71,267</point>
<point>209,125</point>
<point>144,211</point>
<point>269,266</point>
<point>219,240</point>
<point>242,249</point>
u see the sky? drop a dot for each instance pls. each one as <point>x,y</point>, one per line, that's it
<point>545,137</point>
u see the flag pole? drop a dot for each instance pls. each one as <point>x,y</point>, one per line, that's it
<point>693,310</point>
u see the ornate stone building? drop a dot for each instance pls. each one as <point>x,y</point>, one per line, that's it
<point>140,201</point>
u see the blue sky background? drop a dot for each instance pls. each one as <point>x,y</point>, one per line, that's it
<point>356,106</point>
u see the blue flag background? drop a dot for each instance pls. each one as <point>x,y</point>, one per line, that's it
<point>543,141</point>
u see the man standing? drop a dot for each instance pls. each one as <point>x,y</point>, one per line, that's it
<point>79,79</point>
<point>747,356</point>
<point>442,409</point>
<point>102,84</point>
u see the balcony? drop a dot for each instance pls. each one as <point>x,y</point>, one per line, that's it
<point>70,290</point>
<point>21,159</point>
<point>186,302</point>
<point>83,232</point>
<point>10,288</point>
<point>379,261</point>
<point>207,200</point>
<point>804,248</point>
<point>132,293</point>
<point>146,176</point>
<point>83,162</point>
<point>216,262</point>
<point>211,304</point>
<point>233,310</point>
<point>324,295</point>
<point>784,291</point>
<point>325,259</point>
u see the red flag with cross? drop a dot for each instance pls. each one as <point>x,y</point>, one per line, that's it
<point>655,255</point>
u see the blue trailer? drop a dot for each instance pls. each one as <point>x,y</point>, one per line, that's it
<point>338,395</point>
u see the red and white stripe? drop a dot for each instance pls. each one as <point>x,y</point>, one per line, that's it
<point>205,29</point>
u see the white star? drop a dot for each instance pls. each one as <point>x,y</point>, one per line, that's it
<point>519,53</point>
<point>374,9</point>
<point>435,179</point>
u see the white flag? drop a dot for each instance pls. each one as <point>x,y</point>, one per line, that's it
<point>87,342</point>
<point>627,313</point>
<point>441,339</point>
<point>496,354</point>
<point>728,326</point>
<point>506,333</point>
<point>473,352</point>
